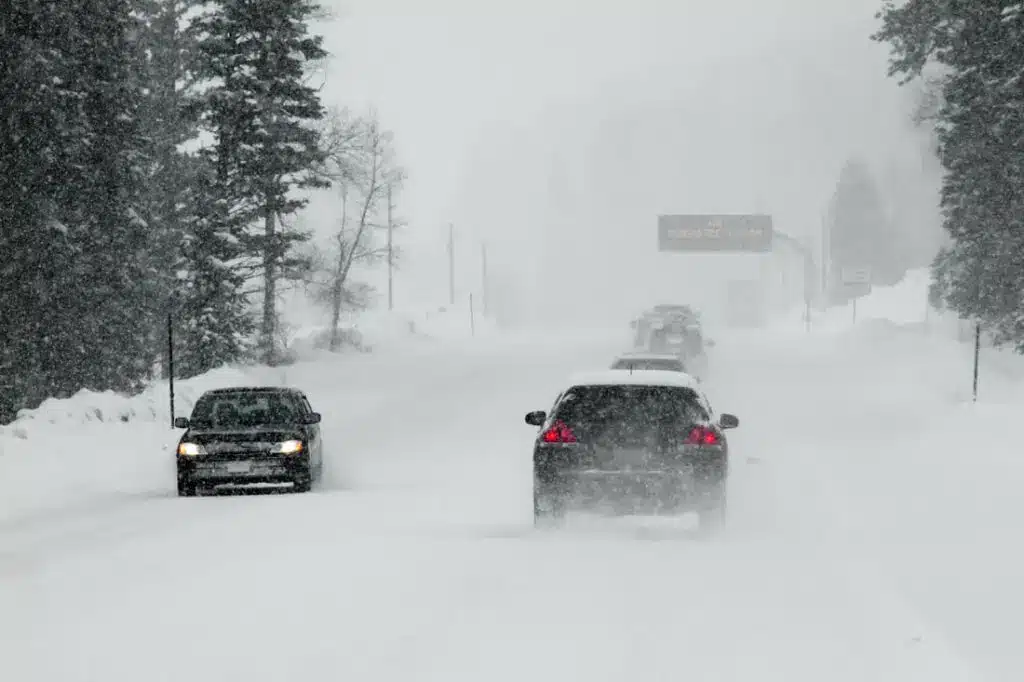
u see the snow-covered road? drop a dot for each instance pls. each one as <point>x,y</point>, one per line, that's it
<point>417,560</point>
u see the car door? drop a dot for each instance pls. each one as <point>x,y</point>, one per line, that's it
<point>315,434</point>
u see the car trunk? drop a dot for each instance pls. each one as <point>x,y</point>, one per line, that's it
<point>631,429</point>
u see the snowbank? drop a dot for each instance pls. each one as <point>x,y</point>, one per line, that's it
<point>373,331</point>
<point>152,405</point>
<point>904,305</point>
<point>382,329</point>
<point>897,321</point>
<point>909,472</point>
<point>445,323</point>
<point>106,448</point>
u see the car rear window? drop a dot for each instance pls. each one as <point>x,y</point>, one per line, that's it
<point>245,408</point>
<point>640,364</point>
<point>590,410</point>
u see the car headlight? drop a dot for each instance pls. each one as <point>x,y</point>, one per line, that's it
<point>289,447</point>
<point>190,449</point>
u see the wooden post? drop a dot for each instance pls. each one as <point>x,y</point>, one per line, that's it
<point>170,362</point>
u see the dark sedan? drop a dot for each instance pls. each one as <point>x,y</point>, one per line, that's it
<point>623,442</point>
<point>248,437</point>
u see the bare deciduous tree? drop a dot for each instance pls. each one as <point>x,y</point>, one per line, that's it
<point>362,163</point>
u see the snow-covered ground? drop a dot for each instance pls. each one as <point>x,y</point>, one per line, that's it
<point>873,530</point>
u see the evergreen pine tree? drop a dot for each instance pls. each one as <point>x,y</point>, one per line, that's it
<point>260,110</point>
<point>213,321</point>
<point>36,115</point>
<point>860,235</point>
<point>74,302</point>
<point>106,326</point>
<point>980,123</point>
<point>169,124</point>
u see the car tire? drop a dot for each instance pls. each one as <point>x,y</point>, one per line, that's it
<point>186,489</point>
<point>712,516</point>
<point>303,483</point>
<point>548,505</point>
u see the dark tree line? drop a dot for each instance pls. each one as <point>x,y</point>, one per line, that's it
<point>977,49</point>
<point>150,153</point>
<point>860,233</point>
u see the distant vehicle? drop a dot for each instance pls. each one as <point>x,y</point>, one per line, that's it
<point>681,336</point>
<point>642,328</point>
<point>685,311</point>
<point>249,436</point>
<point>666,362</point>
<point>653,318</point>
<point>624,442</point>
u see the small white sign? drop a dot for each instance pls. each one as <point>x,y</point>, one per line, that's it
<point>861,275</point>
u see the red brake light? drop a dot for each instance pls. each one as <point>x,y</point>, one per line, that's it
<point>559,433</point>
<point>702,435</point>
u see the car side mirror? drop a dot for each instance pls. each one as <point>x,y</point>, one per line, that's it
<point>728,421</point>
<point>536,418</point>
<point>181,422</point>
<point>311,418</point>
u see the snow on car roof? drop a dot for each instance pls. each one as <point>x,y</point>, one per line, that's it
<point>624,377</point>
<point>647,356</point>
<point>251,389</point>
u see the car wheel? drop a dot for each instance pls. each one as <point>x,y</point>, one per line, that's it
<point>548,505</point>
<point>712,516</point>
<point>186,489</point>
<point>303,483</point>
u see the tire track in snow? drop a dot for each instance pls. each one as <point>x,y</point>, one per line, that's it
<point>97,524</point>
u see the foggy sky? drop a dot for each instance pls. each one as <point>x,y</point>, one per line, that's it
<point>558,130</point>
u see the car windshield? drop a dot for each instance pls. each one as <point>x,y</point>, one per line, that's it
<point>245,409</point>
<point>596,411</point>
<point>639,364</point>
<point>664,341</point>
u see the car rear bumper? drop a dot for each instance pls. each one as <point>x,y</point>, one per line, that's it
<point>683,488</point>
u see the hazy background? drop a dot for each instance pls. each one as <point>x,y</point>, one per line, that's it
<point>556,131</point>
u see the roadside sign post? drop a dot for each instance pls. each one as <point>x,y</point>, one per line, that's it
<point>170,362</point>
<point>809,275</point>
<point>977,357</point>
<point>857,283</point>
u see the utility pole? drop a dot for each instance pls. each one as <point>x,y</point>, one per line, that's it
<point>826,247</point>
<point>808,278</point>
<point>391,277</point>
<point>977,357</point>
<point>170,361</point>
<point>810,274</point>
<point>451,263</point>
<point>483,275</point>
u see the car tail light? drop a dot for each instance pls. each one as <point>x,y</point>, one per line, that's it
<point>703,435</point>
<point>559,433</point>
